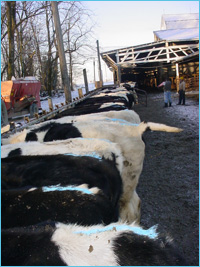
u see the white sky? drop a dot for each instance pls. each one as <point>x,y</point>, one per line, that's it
<point>129,23</point>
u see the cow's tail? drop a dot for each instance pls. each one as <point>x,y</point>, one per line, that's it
<point>144,126</point>
<point>16,138</point>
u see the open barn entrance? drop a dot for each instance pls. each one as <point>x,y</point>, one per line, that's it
<point>150,64</point>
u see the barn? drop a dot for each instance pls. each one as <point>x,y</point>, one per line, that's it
<point>174,52</point>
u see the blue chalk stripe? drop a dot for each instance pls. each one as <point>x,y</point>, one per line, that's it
<point>122,122</point>
<point>151,232</point>
<point>92,154</point>
<point>65,188</point>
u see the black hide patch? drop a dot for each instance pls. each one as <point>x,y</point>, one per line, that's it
<point>137,250</point>
<point>15,152</point>
<point>31,136</point>
<point>29,246</point>
<point>62,131</point>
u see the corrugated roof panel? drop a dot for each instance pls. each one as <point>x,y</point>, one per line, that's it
<point>182,24</point>
<point>178,34</point>
<point>190,20</point>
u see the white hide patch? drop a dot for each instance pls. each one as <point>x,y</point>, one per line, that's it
<point>119,94</point>
<point>106,105</point>
<point>15,138</point>
<point>92,246</point>
<point>32,189</point>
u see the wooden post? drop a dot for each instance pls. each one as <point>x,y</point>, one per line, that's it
<point>100,72</point>
<point>94,70</point>
<point>167,52</point>
<point>177,78</point>
<point>118,74</point>
<point>85,80</point>
<point>50,104</point>
<point>80,92</point>
<point>63,65</point>
<point>115,76</point>
<point>98,84</point>
<point>118,69</point>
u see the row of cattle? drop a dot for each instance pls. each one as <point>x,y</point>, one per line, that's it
<point>69,189</point>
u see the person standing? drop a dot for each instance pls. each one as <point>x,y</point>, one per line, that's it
<point>167,92</point>
<point>181,91</point>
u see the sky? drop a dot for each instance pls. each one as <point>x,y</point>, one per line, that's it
<point>129,23</point>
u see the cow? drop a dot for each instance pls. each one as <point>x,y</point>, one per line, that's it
<point>95,105</point>
<point>117,244</point>
<point>93,147</point>
<point>65,170</point>
<point>68,204</point>
<point>118,93</point>
<point>125,115</point>
<point>127,135</point>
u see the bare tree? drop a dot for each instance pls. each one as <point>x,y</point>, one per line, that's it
<point>16,33</point>
<point>77,28</point>
<point>29,39</point>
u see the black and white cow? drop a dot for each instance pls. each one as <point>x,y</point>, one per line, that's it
<point>117,116</point>
<point>117,244</point>
<point>103,101</point>
<point>95,107</point>
<point>120,93</point>
<point>47,170</point>
<point>92,147</point>
<point>67,204</point>
<point>127,135</point>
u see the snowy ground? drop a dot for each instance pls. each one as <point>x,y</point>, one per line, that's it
<point>58,99</point>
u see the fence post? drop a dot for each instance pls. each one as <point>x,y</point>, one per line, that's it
<point>85,80</point>
<point>80,92</point>
<point>50,104</point>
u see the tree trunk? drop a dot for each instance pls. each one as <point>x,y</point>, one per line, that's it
<point>11,11</point>
<point>49,63</point>
<point>70,59</point>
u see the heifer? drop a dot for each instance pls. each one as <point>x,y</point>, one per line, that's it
<point>67,204</point>
<point>91,147</point>
<point>95,105</point>
<point>118,93</point>
<point>111,116</point>
<point>127,135</point>
<point>125,115</point>
<point>65,170</point>
<point>57,244</point>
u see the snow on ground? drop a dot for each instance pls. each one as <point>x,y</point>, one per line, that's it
<point>58,99</point>
<point>61,98</point>
<point>190,110</point>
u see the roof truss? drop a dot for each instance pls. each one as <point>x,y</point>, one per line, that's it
<point>151,53</point>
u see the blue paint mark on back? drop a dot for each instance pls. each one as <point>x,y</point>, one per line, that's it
<point>65,188</point>
<point>151,232</point>
<point>91,154</point>
<point>122,122</point>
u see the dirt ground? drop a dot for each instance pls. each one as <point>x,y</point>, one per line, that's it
<point>169,183</point>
